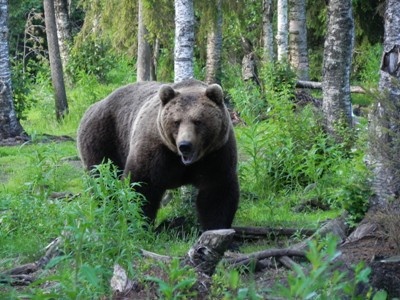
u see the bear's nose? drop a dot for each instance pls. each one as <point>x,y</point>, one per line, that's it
<point>185,147</point>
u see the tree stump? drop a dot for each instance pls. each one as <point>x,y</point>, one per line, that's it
<point>208,250</point>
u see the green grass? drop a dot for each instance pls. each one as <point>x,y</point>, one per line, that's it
<point>30,219</point>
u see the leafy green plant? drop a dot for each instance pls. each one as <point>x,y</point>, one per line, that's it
<point>104,230</point>
<point>91,56</point>
<point>323,280</point>
<point>178,283</point>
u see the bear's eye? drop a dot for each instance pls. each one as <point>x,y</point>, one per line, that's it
<point>177,122</point>
<point>197,122</point>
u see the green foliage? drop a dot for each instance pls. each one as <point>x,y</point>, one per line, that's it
<point>22,81</point>
<point>278,80</point>
<point>230,285</point>
<point>367,63</point>
<point>105,230</point>
<point>324,280</point>
<point>178,283</point>
<point>91,56</point>
<point>285,150</point>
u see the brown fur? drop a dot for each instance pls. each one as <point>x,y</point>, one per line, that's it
<point>166,136</point>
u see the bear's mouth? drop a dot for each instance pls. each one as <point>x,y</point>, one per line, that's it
<point>188,158</point>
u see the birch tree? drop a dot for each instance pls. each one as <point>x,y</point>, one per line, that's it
<point>9,124</point>
<point>144,49</point>
<point>184,40</point>
<point>385,121</point>
<point>378,232</point>
<point>267,31</point>
<point>283,33</point>
<point>336,67</point>
<point>63,28</point>
<point>298,52</point>
<point>214,47</point>
<point>55,60</point>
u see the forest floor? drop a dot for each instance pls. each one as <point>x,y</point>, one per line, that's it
<point>371,245</point>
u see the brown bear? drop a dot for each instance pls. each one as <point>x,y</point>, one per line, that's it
<point>165,136</point>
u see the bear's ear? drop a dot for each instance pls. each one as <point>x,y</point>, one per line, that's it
<point>214,92</point>
<point>166,93</point>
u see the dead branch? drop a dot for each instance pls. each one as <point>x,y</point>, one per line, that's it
<point>318,86</point>
<point>336,226</point>
<point>266,232</point>
<point>246,260</point>
<point>155,256</point>
<point>19,275</point>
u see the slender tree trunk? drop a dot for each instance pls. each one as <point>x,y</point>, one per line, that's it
<point>63,28</point>
<point>283,32</point>
<point>214,48</point>
<point>184,39</point>
<point>385,121</point>
<point>144,49</point>
<point>298,55</point>
<point>337,64</point>
<point>154,60</point>
<point>9,124</point>
<point>55,60</point>
<point>268,33</point>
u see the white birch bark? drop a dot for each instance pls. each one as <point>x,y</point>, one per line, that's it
<point>184,40</point>
<point>298,56</point>
<point>384,126</point>
<point>63,28</point>
<point>214,48</point>
<point>267,29</point>
<point>337,65</point>
<point>9,124</point>
<point>283,30</point>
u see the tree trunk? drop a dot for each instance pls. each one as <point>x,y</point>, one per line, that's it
<point>55,60</point>
<point>268,33</point>
<point>214,48</point>
<point>283,32</point>
<point>144,49</point>
<point>184,39</point>
<point>63,28</point>
<point>385,130</point>
<point>9,124</point>
<point>337,64</point>
<point>154,60</point>
<point>298,55</point>
<point>380,245</point>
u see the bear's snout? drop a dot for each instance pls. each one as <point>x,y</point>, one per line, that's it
<point>187,152</point>
<point>185,147</point>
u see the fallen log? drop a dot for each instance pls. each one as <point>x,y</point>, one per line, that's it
<point>318,86</point>
<point>266,232</point>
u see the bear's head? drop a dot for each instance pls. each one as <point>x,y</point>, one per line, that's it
<point>193,121</point>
